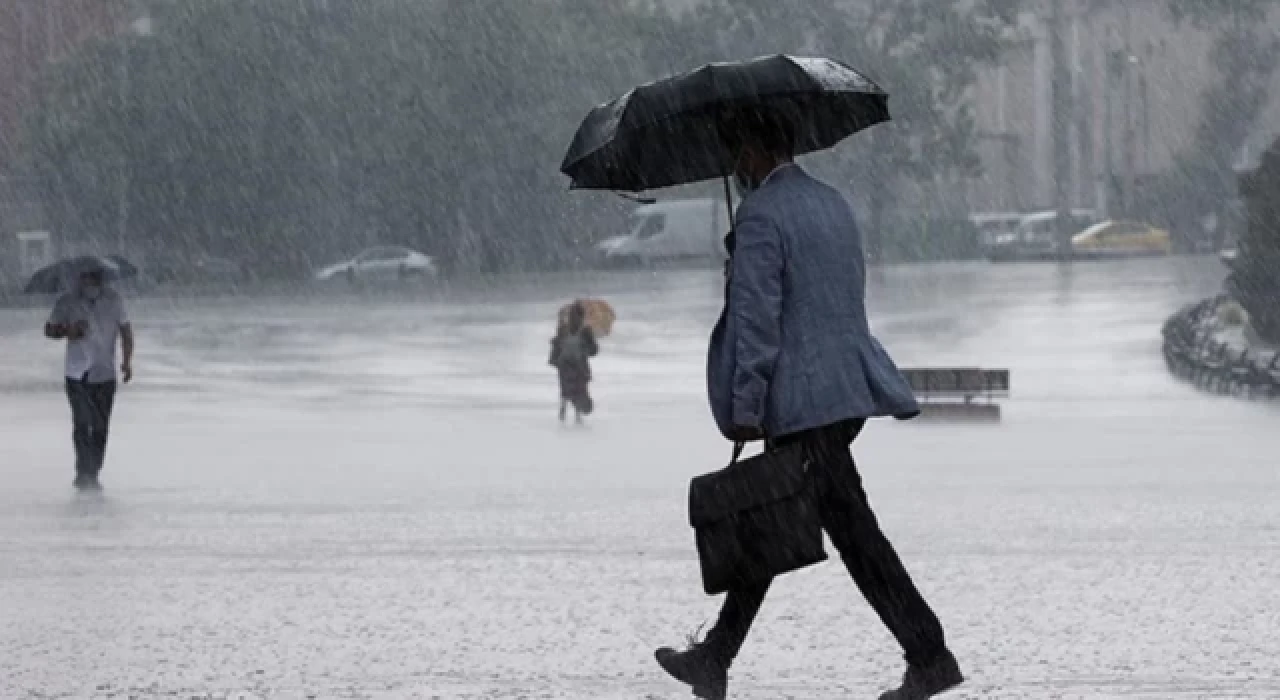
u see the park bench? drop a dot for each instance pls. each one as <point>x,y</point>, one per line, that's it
<point>959,392</point>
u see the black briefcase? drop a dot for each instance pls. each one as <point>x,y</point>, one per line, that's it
<point>755,519</point>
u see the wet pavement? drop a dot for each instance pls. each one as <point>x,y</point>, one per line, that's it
<point>371,498</point>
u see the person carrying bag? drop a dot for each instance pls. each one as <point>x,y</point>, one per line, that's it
<point>792,358</point>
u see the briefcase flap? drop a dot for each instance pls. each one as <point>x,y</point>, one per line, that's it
<point>750,483</point>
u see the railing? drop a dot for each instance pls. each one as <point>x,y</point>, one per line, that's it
<point>1193,353</point>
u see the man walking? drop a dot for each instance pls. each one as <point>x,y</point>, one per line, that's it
<point>90,317</point>
<point>792,359</point>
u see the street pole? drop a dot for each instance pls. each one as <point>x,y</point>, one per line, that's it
<point>1130,132</point>
<point>122,219</point>
<point>1082,116</point>
<point>1144,95</point>
<point>1060,101</point>
<point>1108,132</point>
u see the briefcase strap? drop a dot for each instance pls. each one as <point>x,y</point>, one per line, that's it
<point>769,444</point>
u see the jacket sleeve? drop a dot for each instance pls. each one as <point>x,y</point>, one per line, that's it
<point>590,346</point>
<point>554,360</point>
<point>755,300</point>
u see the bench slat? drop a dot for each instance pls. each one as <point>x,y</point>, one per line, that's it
<point>963,382</point>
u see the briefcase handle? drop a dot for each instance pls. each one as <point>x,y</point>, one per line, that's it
<point>739,446</point>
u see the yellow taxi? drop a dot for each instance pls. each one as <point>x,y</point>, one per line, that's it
<point>1121,239</point>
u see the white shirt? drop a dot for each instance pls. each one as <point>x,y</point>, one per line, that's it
<point>93,356</point>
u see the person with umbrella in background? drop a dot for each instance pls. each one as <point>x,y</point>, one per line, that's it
<point>571,351</point>
<point>90,317</point>
<point>792,360</point>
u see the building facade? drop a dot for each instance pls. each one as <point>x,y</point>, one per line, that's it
<point>1135,96</point>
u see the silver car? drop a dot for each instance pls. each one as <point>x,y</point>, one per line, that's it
<point>381,263</point>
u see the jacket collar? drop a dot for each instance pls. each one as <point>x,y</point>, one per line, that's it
<point>780,171</point>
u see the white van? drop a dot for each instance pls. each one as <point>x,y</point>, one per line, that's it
<point>674,231</point>
<point>996,228</point>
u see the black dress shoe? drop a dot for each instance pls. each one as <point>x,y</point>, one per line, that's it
<point>698,668</point>
<point>924,682</point>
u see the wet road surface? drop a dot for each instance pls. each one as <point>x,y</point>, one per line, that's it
<point>371,498</point>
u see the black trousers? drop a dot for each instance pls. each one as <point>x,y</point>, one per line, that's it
<point>91,404</point>
<point>867,553</point>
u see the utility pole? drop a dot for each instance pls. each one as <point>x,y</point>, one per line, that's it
<point>131,27</point>
<point>1082,115</point>
<point>1108,131</point>
<point>122,212</point>
<point>1144,89</point>
<point>1130,129</point>
<point>1060,101</point>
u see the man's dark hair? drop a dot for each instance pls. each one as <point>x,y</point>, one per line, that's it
<point>761,127</point>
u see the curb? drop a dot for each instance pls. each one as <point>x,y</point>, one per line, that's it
<point>1192,353</point>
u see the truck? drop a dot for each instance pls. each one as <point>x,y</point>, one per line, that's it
<point>687,231</point>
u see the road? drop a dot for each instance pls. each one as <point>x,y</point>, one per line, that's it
<point>371,498</point>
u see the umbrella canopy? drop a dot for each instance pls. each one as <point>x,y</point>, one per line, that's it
<point>126,269</point>
<point>599,315</point>
<point>664,133</point>
<point>62,275</point>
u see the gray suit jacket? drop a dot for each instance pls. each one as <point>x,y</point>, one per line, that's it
<point>793,349</point>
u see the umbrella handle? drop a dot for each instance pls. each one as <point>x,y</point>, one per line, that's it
<point>728,201</point>
<point>729,237</point>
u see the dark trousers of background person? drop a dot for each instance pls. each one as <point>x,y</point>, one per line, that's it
<point>91,416</point>
<point>868,555</point>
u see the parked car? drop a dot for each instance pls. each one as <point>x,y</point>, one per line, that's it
<point>1115,239</point>
<point>672,231</point>
<point>1035,237</point>
<point>996,228</point>
<point>381,263</point>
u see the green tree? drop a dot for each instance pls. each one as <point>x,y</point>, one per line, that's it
<point>283,130</point>
<point>1253,280</point>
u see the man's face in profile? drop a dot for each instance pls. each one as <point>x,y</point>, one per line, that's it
<point>91,284</point>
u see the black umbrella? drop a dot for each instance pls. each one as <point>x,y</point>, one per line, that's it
<point>664,133</point>
<point>61,276</point>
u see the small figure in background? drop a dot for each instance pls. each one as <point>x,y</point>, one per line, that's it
<point>571,348</point>
<point>90,318</point>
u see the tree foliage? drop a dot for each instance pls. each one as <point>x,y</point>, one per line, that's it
<point>1253,280</point>
<point>282,131</point>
